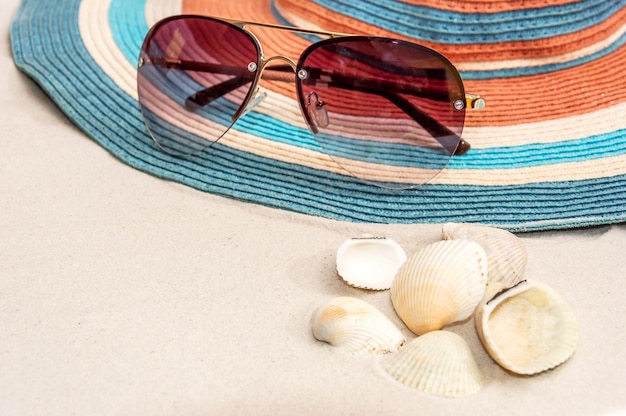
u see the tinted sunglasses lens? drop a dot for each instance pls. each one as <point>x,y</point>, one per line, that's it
<point>387,111</point>
<point>194,74</point>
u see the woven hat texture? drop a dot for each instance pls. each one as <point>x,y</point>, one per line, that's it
<point>548,151</point>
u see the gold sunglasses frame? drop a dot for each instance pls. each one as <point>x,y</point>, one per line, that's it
<point>472,101</point>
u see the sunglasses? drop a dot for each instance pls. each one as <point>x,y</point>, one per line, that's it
<point>387,111</point>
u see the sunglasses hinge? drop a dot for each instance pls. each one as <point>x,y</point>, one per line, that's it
<point>474,102</point>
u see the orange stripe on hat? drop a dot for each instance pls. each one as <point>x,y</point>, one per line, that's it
<point>259,11</point>
<point>589,87</point>
<point>556,45</point>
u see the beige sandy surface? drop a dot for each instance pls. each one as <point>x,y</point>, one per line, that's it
<point>123,294</point>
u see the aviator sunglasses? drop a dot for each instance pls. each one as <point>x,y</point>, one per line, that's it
<point>387,111</point>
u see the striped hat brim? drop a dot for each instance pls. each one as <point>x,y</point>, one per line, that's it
<point>548,151</point>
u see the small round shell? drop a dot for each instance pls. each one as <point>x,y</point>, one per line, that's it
<point>506,252</point>
<point>528,328</point>
<point>439,363</point>
<point>369,262</point>
<point>440,284</point>
<point>355,326</point>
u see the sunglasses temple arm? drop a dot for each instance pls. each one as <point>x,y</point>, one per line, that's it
<point>446,137</point>
<point>391,91</point>
<point>186,65</point>
<point>207,95</point>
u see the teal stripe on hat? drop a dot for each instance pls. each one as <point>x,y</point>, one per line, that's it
<point>544,69</point>
<point>600,146</point>
<point>506,157</point>
<point>128,24</point>
<point>442,26</point>
<point>47,46</point>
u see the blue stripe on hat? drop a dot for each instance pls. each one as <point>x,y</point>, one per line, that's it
<point>599,146</point>
<point>47,46</point>
<point>443,26</point>
<point>507,157</point>
<point>129,26</point>
<point>544,69</point>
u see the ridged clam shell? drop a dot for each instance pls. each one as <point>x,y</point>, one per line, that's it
<point>439,363</point>
<point>528,328</point>
<point>440,284</point>
<point>506,252</point>
<point>369,262</point>
<point>355,326</point>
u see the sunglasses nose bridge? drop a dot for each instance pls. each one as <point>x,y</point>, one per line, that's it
<point>290,64</point>
<point>277,72</point>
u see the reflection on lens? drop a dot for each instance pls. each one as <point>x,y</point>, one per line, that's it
<point>194,74</point>
<point>388,106</point>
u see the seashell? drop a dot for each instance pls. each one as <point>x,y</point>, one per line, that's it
<point>440,284</point>
<point>355,326</point>
<point>369,262</point>
<point>439,363</point>
<point>528,328</point>
<point>506,252</point>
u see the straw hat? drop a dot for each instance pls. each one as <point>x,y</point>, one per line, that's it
<point>548,151</point>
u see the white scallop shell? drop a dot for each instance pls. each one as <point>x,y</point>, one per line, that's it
<point>506,252</point>
<point>439,363</point>
<point>369,262</point>
<point>355,326</point>
<point>528,328</point>
<point>440,284</point>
